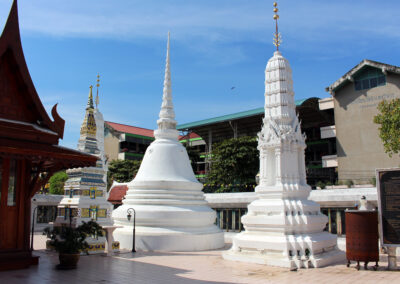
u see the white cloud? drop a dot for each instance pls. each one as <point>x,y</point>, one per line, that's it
<point>217,29</point>
<point>216,21</point>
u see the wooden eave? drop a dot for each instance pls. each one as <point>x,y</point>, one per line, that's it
<point>49,156</point>
<point>27,132</point>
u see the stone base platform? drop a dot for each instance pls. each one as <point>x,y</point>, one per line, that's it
<point>324,259</point>
<point>291,251</point>
<point>169,240</point>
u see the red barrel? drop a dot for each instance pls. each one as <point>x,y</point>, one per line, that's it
<point>362,237</point>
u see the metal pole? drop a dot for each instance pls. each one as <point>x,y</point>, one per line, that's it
<point>129,211</point>
<point>33,226</point>
<point>134,231</point>
<point>70,217</point>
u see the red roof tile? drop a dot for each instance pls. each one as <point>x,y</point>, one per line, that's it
<point>130,129</point>
<point>117,193</point>
<point>143,131</point>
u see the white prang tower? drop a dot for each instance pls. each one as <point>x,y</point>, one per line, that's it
<point>171,211</point>
<point>282,227</point>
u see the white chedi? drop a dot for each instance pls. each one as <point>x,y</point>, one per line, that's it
<point>171,211</point>
<point>282,227</point>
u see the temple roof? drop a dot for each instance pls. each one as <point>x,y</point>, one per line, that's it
<point>26,130</point>
<point>117,193</point>
<point>18,97</point>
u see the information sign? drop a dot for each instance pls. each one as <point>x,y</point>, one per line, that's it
<point>388,186</point>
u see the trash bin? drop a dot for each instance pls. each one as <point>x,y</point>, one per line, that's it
<point>362,237</point>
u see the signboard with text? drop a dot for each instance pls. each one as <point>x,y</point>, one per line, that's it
<point>388,186</point>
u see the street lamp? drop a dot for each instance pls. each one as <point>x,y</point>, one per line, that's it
<point>130,210</point>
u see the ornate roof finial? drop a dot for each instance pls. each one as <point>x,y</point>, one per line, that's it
<point>97,95</point>
<point>277,35</point>
<point>90,100</point>
<point>167,114</point>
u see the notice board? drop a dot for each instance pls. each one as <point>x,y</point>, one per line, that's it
<point>388,186</point>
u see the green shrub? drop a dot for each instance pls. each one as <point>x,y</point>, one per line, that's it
<point>72,240</point>
<point>373,181</point>
<point>349,183</point>
<point>321,184</point>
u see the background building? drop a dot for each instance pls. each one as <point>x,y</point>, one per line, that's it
<point>342,141</point>
<point>356,96</point>
<point>315,122</point>
<point>125,142</point>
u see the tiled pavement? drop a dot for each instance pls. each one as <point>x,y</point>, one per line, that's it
<point>196,267</point>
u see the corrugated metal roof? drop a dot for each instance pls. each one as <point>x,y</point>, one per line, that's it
<point>228,117</point>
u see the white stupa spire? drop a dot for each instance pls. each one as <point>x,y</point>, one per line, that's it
<point>166,122</point>
<point>171,211</point>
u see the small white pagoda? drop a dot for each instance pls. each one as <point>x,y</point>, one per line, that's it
<point>282,227</point>
<point>85,190</point>
<point>171,211</point>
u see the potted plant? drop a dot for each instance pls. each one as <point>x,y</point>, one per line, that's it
<point>70,242</point>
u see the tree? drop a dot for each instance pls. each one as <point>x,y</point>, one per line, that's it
<point>389,130</point>
<point>57,183</point>
<point>234,161</point>
<point>122,170</point>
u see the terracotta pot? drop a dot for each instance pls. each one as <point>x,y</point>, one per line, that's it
<point>68,260</point>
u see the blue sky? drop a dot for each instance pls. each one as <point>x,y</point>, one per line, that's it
<point>215,45</point>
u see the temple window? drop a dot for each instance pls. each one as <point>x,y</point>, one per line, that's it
<point>12,183</point>
<point>92,192</point>
<point>93,212</point>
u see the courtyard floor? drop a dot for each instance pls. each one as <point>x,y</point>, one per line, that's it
<point>184,267</point>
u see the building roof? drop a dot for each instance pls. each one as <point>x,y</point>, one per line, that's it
<point>348,77</point>
<point>117,193</point>
<point>228,117</point>
<point>123,128</point>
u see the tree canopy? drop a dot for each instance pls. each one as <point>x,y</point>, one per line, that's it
<point>389,120</point>
<point>234,161</point>
<point>122,170</point>
<point>57,183</point>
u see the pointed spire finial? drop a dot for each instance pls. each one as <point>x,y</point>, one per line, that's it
<point>90,99</point>
<point>97,95</point>
<point>166,122</point>
<point>167,108</point>
<point>277,35</point>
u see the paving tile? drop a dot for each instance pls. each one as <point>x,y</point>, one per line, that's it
<point>183,267</point>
